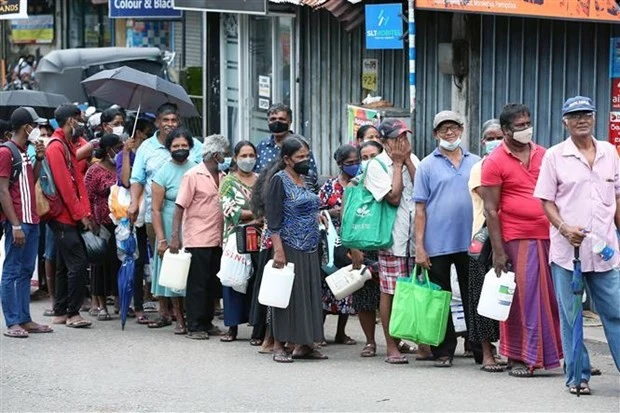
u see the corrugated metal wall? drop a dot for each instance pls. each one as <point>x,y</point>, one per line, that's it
<point>192,31</point>
<point>330,78</point>
<point>540,63</point>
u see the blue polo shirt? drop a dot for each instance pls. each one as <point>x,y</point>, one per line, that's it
<point>444,190</point>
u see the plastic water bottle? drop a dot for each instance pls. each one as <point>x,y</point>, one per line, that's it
<point>601,247</point>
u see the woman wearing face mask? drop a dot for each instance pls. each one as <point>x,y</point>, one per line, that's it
<point>113,121</point>
<point>99,178</point>
<point>481,329</point>
<point>292,213</point>
<point>165,187</point>
<point>235,198</point>
<point>331,193</point>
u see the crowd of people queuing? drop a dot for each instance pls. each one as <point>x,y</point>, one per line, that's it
<point>537,204</point>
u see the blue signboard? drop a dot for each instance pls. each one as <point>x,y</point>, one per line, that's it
<point>143,9</point>
<point>384,26</point>
<point>614,58</point>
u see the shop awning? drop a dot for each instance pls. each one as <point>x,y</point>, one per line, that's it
<point>349,12</point>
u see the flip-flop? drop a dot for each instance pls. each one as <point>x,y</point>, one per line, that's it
<point>256,342</point>
<point>16,333</point>
<point>39,329</point>
<point>144,320</point>
<point>406,348</point>
<point>492,368</point>
<point>160,323</point>
<point>179,330</point>
<point>584,389</point>
<point>197,335</point>
<point>79,324</point>
<point>228,338</point>
<point>443,363</point>
<point>396,360</point>
<point>104,316</point>
<point>265,351</point>
<point>521,371</point>
<point>369,350</point>
<point>282,357</point>
<point>313,355</point>
<point>346,340</point>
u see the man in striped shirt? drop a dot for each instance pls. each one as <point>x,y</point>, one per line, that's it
<point>21,222</point>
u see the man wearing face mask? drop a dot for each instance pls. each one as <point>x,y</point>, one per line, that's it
<point>279,118</point>
<point>72,262</point>
<point>519,233</point>
<point>443,216</point>
<point>150,157</point>
<point>17,197</point>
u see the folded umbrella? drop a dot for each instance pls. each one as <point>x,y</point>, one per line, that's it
<point>136,90</point>
<point>44,103</point>
<point>126,245</point>
<point>577,320</point>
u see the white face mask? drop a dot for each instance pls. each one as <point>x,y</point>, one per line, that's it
<point>523,136</point>
<point>246,164</point>
<point>450,146</point>
<point>34,135</point>
<point>118,130</point>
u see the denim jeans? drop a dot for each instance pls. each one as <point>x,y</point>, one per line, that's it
<point>19,263</point>
<point>605,292</point>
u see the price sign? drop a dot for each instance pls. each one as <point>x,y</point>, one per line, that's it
<point>370,74</point>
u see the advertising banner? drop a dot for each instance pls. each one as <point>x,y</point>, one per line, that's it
<point>224,6</point>
<point>13,9</point>
<point>357,117</point>
<point>614,74</point>
<point>37,29</point>
<point>384,26</point>
<point>143,9</point>
<point>605,10</point>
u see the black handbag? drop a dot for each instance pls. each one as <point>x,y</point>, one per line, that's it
<point>248,238</point>
<point>96,245</point>
<point>480,247</point>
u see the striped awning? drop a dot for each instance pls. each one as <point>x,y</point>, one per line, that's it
<point>348,12</point>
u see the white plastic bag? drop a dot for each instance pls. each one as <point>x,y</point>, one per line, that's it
<point>235,268</point>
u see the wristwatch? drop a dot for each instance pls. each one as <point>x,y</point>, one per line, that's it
<point>17,227</point>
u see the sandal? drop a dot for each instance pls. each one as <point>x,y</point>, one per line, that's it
<point>443,362</point>
<point>94,311</point>
<point>36,328</point>
<point>595,372</point>
<point>143,320</point>
<point>180,330</point>
<point>369,350</point>
<point>406,348</point>
<point>104,316</point>
<point>492,368</point>
<point>197,335</point>
<point>16,332</point>
<point>396,360</point>
<point>521,370</point>
<point>312,355</point>
<point>256,342</point>
<point>282,357</point>
<point>160,322</point>
<point>346,340</point>
<point>80,323</point>
<point>228,338</point>
<point>584,389</point>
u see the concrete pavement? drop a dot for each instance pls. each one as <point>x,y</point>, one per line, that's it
<point>104,369</point>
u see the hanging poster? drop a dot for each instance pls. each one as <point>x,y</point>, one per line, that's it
<point>605,10</point>
<point>357,117</point>
<point>264,86</point>
<point>36,29</point>
<point>13,9</point>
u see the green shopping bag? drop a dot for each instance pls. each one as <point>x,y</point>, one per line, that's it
<point>420,310</point>
<point>366,223</point>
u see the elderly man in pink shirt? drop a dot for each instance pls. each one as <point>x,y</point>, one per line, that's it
<point>580,189</point>
<point>198,210</point>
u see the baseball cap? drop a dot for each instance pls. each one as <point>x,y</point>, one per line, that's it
<point>24,116</point>
<point>445,116</point>
<point>392,128</point>
<point>578,104</point>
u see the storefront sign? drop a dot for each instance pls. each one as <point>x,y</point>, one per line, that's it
<point>143,9</point>
<point>370,74</point>
<point>614,57</point>
<point>264,86</point>
<point>357,117</point>
<point>384,26</point>
<point>13,9</point>
<point>224,6</point>
<point>37,29</point>
<point>263,103</point>
<point>614,129</point>
<point>607,10</point>
<point>614,74</point>
<point>615,93</point>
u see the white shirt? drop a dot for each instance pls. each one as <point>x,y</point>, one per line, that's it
<point>379,183</point>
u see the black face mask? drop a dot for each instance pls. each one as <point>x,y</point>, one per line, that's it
<point>278,127</point>
<point>302,167</point>
<point>180,155</point>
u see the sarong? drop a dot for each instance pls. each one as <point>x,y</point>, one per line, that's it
<point>531,334</point>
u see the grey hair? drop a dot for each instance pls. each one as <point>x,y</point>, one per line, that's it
<point>491,124</point>
<point>214,144</point>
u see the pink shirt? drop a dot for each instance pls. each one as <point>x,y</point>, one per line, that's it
<point>585,197</point>
<point>520,214</point>
<point>203,219</point>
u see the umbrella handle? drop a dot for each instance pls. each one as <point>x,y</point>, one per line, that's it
<point>135,123</point>
<point>576,253</point>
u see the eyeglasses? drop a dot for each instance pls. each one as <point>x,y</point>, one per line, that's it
<point>452,128</point>
<point>580,115</point>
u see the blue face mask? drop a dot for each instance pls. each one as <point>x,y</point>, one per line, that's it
<point>491,145</point>
<point>351,170</point>
<point>224,166</point>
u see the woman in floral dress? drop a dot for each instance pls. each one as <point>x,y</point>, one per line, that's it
<point>235,197</point>
<point>347,158</point>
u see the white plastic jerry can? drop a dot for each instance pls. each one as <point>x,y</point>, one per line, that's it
<point>174,270</point>
<point>497,294</point>
<point>346,281</point>
<point>276,285</point>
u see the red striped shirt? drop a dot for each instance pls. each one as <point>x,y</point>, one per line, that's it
<point>22,190</point>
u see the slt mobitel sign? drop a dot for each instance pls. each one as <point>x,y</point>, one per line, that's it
<point>143,9</point>
<point>224,6</point>
<point>13,9</point>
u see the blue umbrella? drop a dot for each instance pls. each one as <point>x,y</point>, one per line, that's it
<point>126,246</point>
<point>577,320</point>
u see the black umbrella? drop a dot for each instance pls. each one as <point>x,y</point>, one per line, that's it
<point>44,103</point>
<point>136,90</point>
